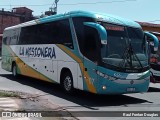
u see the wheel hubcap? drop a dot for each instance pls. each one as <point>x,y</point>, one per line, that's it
<point>67,83</point>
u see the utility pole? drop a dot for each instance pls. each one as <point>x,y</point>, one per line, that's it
<point>52,9</point>
<point>55,8</point>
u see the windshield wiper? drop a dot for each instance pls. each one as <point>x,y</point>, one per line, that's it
<point>129,54</point>
<point>126,55</point>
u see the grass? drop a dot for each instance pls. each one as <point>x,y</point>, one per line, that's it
<point>6,94</point>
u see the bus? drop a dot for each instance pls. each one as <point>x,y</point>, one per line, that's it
<point>155,60</point>
<point>0,43</point>
<point>95,52</point>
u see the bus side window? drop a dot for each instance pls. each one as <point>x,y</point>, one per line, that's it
<point>88,38</point>
<point>9,38</point>
<point>13,40</point>
<point>56,32</point>
<point>5,40</point>
<point>23,36</point>
<point>91,39</point>
<point>8,41</point>
<point>65,33</point>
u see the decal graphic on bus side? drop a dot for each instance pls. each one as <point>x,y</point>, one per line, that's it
<point>43,52</point>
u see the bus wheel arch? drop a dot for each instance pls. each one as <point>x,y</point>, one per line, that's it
<point>14,69</point>
<point>66,80</point>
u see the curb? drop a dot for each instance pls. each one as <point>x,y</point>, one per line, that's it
<point>31,102</point>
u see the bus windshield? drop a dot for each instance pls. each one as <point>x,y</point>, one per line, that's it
<point>154,55</point>
<point>125,47</point>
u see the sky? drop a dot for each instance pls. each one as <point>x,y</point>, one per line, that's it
<point>137,10</point>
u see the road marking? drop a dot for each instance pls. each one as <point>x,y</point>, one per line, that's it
<point>8,104</point>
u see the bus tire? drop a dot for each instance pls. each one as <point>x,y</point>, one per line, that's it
<point>67,82</point>
<point>14,70</point>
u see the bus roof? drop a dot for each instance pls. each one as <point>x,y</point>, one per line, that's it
<point>107,18</point>
<point>99,16</point>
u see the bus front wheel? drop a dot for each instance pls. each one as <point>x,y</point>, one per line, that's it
<point>67,82</point>
<point>14,70</point>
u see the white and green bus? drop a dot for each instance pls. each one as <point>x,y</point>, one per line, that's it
<point>95,52</point>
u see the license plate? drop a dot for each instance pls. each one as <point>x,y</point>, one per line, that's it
<point>131,89</point>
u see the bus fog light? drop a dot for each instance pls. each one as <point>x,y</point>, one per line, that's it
<point>104,87</point>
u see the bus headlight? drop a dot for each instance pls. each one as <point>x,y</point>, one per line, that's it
<point>104,87</point>
<point>105,75</point>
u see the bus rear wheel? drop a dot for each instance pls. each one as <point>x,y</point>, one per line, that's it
<point>14,70</point>
<point>67,82</point>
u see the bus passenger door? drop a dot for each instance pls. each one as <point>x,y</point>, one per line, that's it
<point>91,54</point>
<point>89,75</point>
<point>94,35</point>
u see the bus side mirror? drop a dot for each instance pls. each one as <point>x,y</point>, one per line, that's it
<point>101,30</point>
<point>155,39</point>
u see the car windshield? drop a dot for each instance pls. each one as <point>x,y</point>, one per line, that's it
<point>125,47</point>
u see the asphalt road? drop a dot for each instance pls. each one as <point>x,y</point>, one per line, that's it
<point>84,101</point>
